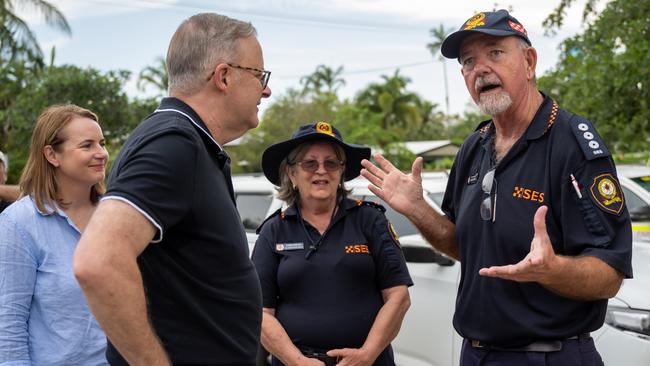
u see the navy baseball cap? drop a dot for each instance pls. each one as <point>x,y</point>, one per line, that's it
<point>275,154</point>
<point>498,23</point>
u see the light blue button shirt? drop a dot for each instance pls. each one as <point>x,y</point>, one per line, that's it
<point>44,318</point>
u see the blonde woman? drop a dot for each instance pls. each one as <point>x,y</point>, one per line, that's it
<point>44,319</point>
<point>333,277</point>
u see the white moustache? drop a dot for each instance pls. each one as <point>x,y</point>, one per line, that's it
<point>481,81</point>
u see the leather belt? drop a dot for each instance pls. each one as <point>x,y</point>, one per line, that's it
<point>538,346</point>
<point>318,354</point>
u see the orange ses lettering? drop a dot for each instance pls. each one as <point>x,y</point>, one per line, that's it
<point>528,194</point>
<point>360,248</point>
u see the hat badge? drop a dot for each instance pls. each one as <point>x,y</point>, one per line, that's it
<point>324,127</point>
<point>475,21</point>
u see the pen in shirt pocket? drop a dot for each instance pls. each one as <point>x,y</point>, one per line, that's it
<point>576,186</point>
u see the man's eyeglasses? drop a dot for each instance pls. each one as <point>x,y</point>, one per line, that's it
<point>489,203</point>
<point>262,75</point>
<point>311,165</point>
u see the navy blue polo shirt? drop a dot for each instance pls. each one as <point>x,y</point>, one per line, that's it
<point>203,295</point>
<point>330,299</point>
<point>536,171</point>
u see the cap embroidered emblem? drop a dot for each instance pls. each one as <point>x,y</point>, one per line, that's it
<point>324,127</point>
<point>606,191</point>
<point>518,27</point>
<point>475,21</point>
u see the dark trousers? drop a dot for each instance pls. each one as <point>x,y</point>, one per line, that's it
<point>574,352</point>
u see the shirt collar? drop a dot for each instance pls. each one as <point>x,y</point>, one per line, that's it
<point>540,123</point>
<point>49,208</point>
<point>347,204</point>
<point>172,104</point>
<point>56,210</point>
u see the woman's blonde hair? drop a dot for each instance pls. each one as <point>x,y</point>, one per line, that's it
<point>38,179</point>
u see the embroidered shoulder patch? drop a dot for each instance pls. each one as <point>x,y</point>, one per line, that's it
<point>591,143</point>
<point>607,193</point>
<point>393,234</point>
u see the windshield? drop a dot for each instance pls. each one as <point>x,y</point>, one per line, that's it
<point>643,182</point>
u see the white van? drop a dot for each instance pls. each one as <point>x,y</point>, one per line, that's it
<point>427,337</point>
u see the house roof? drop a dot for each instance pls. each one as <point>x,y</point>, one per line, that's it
<point>431,147</point>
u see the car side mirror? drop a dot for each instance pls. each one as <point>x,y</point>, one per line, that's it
<point>417,254</point>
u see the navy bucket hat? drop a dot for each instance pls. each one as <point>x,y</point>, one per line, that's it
<point>498,23</point>
<point>276,153</point>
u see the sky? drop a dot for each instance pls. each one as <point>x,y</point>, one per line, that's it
<point>369,38</point>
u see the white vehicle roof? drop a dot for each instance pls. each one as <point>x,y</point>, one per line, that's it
<point>257,182</point>
<point>432,182</point>
<point>632,171</point>
<point>250,183</point>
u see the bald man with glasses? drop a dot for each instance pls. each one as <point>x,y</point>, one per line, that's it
<point>533,210</point>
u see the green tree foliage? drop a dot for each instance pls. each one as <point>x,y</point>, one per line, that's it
<point>17,41</point>
<point>603,74</point>
<point>461,127</point>
<point>555,20</point>
<point>155,76</point>
<point>381,114</point>
<point>397,106</point>
<point>279,121</point>
<point>89,88</point>
<point>323,80</point>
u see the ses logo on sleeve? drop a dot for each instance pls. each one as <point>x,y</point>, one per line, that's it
<point>606,192</point>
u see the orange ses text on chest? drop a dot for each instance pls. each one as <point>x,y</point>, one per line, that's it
<point>528,194</point>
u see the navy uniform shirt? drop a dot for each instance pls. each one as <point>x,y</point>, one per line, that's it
<point>330,299</point>
<point>536,171</point>
<point>203,295</point>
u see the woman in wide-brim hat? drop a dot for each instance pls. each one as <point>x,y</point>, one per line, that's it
<point>334,280</point>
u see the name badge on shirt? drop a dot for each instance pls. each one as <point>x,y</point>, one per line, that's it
<point>289,246</point>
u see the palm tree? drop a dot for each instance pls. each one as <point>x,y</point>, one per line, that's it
<point>17,41</point>
<point>323,76</point>
<point>155,75</point>
<point>399,107</point>
<point>439,34</point>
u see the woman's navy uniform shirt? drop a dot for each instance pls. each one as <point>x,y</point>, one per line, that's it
<point>329,300</point>
<point>536,171</point>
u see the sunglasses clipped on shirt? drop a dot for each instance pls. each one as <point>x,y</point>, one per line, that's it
<point>311,165</point>
<point>489,202</point>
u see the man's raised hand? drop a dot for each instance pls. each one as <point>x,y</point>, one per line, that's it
<point>399,190</point>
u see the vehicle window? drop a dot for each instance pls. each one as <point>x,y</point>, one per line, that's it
<point>252,208</point>
<point>639,210</point>
<point>401,224</point>
<point>643,182</point>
